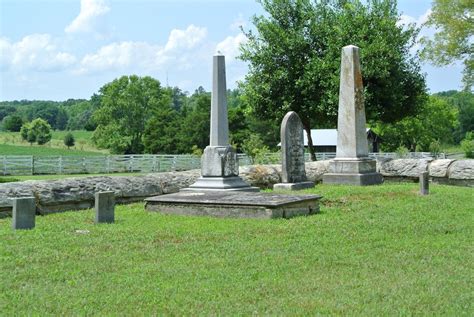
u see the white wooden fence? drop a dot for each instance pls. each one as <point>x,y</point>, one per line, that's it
<point>32,165</point>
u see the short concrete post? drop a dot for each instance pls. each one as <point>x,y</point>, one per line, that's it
<point>104,207</point>
<point>424,184</point>
<point>24,211</point>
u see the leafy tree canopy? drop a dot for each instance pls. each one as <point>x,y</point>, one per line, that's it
<point>434,123</point>
<point>126,107</point>
<point>12,123</point>
<point>454,21</point>
<point>37,130</point>
<point>294,59</point>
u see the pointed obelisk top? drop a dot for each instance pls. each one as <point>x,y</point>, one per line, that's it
<point>219,121</point>
<point>351,130</point>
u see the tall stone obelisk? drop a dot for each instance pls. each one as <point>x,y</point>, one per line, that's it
<point>352,164</point>
<point>219,163</point>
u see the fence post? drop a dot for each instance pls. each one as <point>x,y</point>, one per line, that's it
<point>60,165</point>
<point>153,164</point>
<point>107,164</point>
<point>173,164</point>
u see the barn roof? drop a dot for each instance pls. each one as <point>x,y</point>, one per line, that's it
<point>323,137</point>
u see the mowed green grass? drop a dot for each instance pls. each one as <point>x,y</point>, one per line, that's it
<point>12,142</point>
<point>44,150</point>
<point>381,250</point>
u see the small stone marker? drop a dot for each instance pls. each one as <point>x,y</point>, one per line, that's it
<point>104,207</point>
<point>424,184</point>
<point>352,164</point>
<point>24,211</point>
<point>292,154</point>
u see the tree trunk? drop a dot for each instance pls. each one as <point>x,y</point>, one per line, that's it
<point>307,128</point>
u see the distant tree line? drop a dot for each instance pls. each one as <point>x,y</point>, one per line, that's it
<point>137,115</point>
<point>72,114</point>
<point>293,53</point>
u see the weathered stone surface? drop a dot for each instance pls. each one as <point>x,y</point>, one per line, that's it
<point>352,135</point>
<point>315,170</point>
<point>219,123</point>
<point>104,207</point>
<point>234,205</point>
<point>439,168</point>
<point>78,193</point>
<point>294,186</point>
<point>352,166</point>
<point>403,167</point>
<point>24,211</point>
<point>462,169</point>
<point>263,176</point>
<point>424,183</point>
<point>220,167</point>
<point>219,161</point>
<point>292,149</point>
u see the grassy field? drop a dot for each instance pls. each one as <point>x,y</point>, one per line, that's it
<point>381,250</point>
<point>83,146</point>
<point>37,150</point>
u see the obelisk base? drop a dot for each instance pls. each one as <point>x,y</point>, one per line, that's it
<point>357,171</point>
<point>293,186</point>
<point>233,183</point>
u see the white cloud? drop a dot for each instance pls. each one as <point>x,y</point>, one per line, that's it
<point>36,52</point>
<point>419,21</point>
<point>119,56</point>
<point>426,32</point>
<point>87,18</point>
<point>177,52</point>
<point>185,39</point>
<point>230,46</point>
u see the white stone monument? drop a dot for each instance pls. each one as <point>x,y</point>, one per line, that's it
<point>219,163</point>
<point>352,164</point>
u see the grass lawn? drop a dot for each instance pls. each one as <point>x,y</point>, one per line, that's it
<point>381,250</point>
<point>17,146</point>
<point>42,150</point>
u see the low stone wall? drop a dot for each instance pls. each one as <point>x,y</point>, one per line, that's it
<point>78,193</point>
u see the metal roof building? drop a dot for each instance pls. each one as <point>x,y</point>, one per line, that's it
<point>325,140</point>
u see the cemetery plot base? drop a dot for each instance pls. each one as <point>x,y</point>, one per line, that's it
<point>353,179</point>
<point>293,186</point>
<point>234,204</point>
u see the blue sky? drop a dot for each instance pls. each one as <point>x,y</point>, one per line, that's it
<point>60,49</point>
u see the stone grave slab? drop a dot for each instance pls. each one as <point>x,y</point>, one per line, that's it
<point>229,204</point>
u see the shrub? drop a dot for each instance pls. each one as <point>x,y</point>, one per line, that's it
<point>402,151</point>
<point>435,148</point>
<point>467,145</point>
<point>254,148</point>
<point>69,140</point>
<point>37,130</point>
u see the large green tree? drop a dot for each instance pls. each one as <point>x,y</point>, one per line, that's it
<point>435,122</point>
<point>126,107</point>
<point>12,123</point>
<point>161,132</point>
<point>454,22</point>
<point>294,59</point>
